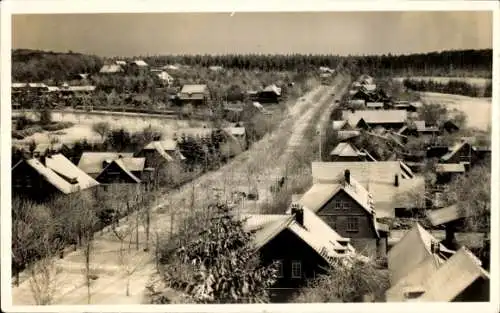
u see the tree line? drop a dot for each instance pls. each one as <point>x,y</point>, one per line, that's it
<point>30,65</point>
<point>452,87</point>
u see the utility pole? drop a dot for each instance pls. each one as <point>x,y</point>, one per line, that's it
<point>318,132</point>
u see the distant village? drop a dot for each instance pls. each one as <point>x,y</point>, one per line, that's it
<point>373,205</point>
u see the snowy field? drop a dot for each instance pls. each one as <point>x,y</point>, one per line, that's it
<point>478,110</point>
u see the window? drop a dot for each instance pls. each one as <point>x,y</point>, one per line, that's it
<point>352,224</point>
<point>296,269</point>
<point>342,205</point>
<point>280,268</point>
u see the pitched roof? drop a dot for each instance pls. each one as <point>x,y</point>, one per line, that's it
<point>337,125</point>
<point>120,62</point>
<point>140,63</point>
<point>273,88</point>
<point>133,164</point>
<point>376,177</point>
<point>453,277</point>
<point>166,144</point>
<point>348,134</point>
<point>124,166</point>
<point>164,76</point>
<point>58,170</point>
<point>375,116</point>
<point>445,215</point>
<point>111,68</point>
<point>410,252</point>
<point>345,149</point>
<point>454,149</point>
<point>92,162</point>
<point>194,89</point>
<point>315,233</point>
<point>450,168</point>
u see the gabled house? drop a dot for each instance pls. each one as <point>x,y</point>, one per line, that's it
<point>411,261</point>
<point>389,182</point>
<point>270,94</point>
<point>451,217</point>
<point>161,152</point>
<point>423,270</point>
<point>461,153</point>
<point>348,208</point>
<point>346,152</point>
<point>194,94</point>
<point>389,119</point>
<point>49,176</point>
<point>418,128</point>
<point>93,163</point>
<point>123,171</point>
<point>165,77</point>
<point>315,245</point>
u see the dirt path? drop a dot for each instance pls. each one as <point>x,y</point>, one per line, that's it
<point>258,162</point>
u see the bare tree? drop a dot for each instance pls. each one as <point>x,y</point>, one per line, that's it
<point>43,273</point>
<point>101,128</point>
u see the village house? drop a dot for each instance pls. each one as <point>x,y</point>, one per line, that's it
<point>348,208</point>
<point>461,153</point>
<point>392,184</point>
<point>270,94</point>
<point>194,94</point>
<point>161,152</point>
<point>389,119</point>
<point>124,171</point>
<point>48,176</point>
<point>165,77</point>
<point>114,167</point>
<point>137,67</point>
<point>347,152</point>
<point>422,269</point>
<point>418,128</point>
<point>451,217</point>
<point>316,245</point>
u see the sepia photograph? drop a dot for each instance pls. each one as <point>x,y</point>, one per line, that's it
<point>165,158</point>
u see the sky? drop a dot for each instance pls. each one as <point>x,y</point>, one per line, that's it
<point>340,33</point>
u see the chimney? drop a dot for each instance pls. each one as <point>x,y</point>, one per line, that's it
<point>347,177</point>
<point>396,180</point>
<point>298,212</point>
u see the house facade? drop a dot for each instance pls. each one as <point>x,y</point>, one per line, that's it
<point>123,171</point>
<point>195,94</point>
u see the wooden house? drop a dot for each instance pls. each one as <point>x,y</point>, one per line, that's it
<point>123,171</point>
<point>194,94</point>
<point>347,152</point>
<point>387,181</point>
<point>316,245</point>
<point>270,94</point>
<point>445,172</point>
<point>424,270</point>
<point>348,208</point>
<point>462,152</point>
<point>161,152</point>
<point>48,176</point>
<point>366,119</point>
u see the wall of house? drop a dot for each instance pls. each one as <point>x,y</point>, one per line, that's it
<point>365,238</point>
<point>27,182</point>
<point>288,247</point>
<point>114,174</point>
<point>479,291</point>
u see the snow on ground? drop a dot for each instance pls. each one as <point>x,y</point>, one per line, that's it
<point>110,286</point>
<point>478,110</point>
<point>83,122</point>
<point>478,81</point>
